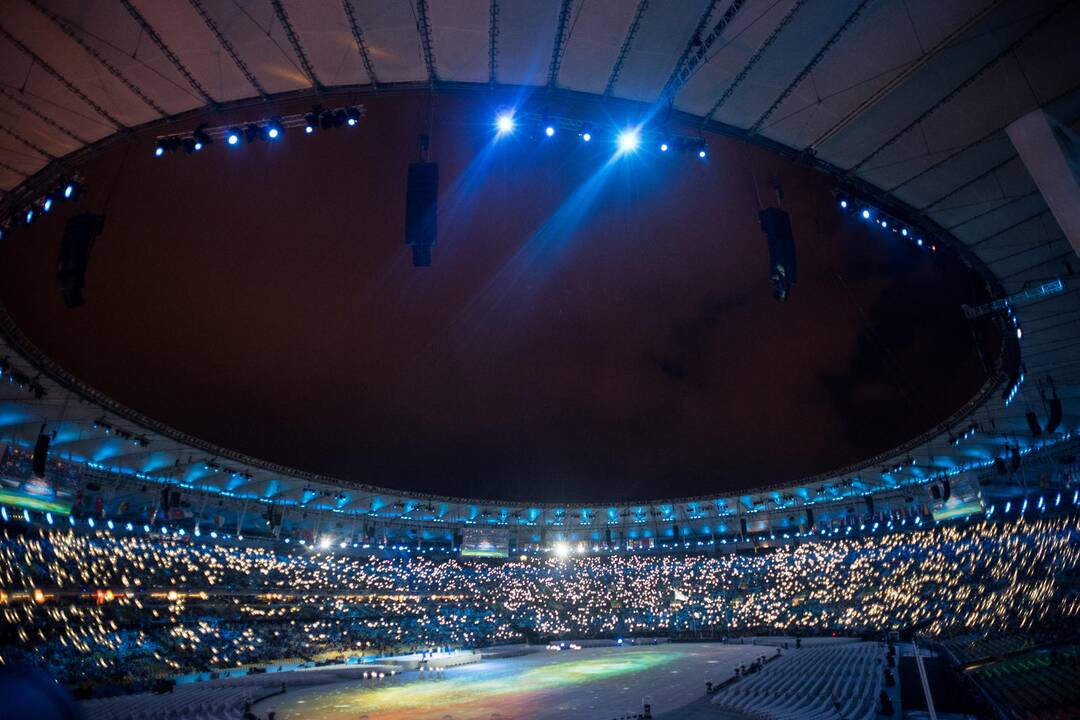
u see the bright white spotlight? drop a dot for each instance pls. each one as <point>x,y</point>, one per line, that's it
<point>324,542</point>
<point>504,123</point>
<point>562,550</point>
<point>273,133</point>
<point>663,147</point>
<point>701,154</point>
<point>629,140</point>
<point>866,214</point>
<point>549,131</point>
<point>586,136</point>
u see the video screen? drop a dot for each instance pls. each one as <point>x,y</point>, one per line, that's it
<point>485,542</point>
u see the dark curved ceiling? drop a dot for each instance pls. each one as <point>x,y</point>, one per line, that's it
<point>591,329</point>
<point>909,97</point>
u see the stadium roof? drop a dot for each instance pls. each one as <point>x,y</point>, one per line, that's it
<point>906,102</point>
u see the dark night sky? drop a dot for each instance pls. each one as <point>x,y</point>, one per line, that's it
<point>583,335</point>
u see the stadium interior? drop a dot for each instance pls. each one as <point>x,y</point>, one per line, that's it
<point>555,359</point>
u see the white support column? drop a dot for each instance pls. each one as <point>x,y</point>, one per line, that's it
<point>1051,154</point>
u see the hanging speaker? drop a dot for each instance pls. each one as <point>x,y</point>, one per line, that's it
<point>420,211</point>
<point>869,504</point>
<point>810,517</point>
<point>41,454</point>
<point>79,234</point>
<point>742,523</point>
<point>776,225</point>
<point>935,491</point>
<point>946,490</point>
<point>1054,418</point>
<point>607,535</point>
<point>1014,462</point>
<point>675,530</point>
<point>1033,423</point>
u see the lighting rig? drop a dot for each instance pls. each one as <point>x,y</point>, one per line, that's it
<point>22,215</point>
<point>627,140</point>
<point>850,205</point>
<point>270,129</point>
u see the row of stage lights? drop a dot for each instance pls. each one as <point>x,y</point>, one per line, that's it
<point>270,130</point>
<point>627,141</point>
<point>62,192</point>
<point>870,214</point>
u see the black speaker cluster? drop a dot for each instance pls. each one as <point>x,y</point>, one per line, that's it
<point>61,192</point>
<point>850,205</point>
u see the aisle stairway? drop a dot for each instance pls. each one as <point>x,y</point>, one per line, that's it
<point>808,684</point>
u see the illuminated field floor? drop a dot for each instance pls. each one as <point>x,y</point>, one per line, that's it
<point>599,683</point>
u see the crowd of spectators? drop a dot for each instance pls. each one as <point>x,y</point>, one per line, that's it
<point>117,607</point>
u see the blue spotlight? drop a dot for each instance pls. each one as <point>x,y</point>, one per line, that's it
<point>47,205</point>
<point>159,151</point>
<point>919,242</point>
<point>549,131</point>
<point>866,214</point>
<point>904,233</point>
<point>309,129</point>
<point>586,136</point>
<point>233,136</point>
<point>701,153</point>
<point>69,190</point>
<point>884,223</point>
<point>504,123</point>
<point>274,129</point>
<point>629,140</point>
<point>663,147</point>
<point>198,146</point>
<point>844,204</point>
<point>29,217</point>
